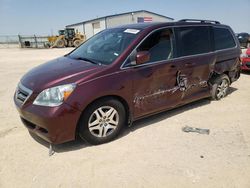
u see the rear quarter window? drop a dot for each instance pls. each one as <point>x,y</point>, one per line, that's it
<point>223,38</point>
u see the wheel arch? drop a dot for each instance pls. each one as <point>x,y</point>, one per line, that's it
<point>116,97</point>
<point>216,74</point>
<point>217,80</point>
<point>76,38</point>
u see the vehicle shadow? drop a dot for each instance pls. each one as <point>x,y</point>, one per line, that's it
<point>65,147</point>
<point>79,144</point>
<point>245,72</point>
<point>170,113</point>
<point>164,115</point>
<point>231,90</point>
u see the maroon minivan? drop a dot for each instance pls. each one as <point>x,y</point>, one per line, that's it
<point>126,73</point>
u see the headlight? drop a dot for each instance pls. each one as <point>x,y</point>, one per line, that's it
<point>54,96</point>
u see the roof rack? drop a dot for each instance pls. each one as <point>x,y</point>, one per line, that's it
<point>201,21</point>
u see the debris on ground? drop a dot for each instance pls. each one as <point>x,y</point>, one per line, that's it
<point>188,129</point>
<point>51,150</point>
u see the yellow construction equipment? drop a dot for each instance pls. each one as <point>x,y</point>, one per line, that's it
<point>66,38</point>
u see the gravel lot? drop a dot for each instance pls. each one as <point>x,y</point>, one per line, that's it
<point>153,153</point>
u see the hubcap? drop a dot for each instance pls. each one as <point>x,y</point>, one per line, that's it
<point>222,89</point>
<point>103,121</point>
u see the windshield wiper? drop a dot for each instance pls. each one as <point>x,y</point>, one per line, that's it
<point>87,59</point>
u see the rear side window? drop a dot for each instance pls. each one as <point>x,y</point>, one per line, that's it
<point>194,40</point>
<point>223,39</point>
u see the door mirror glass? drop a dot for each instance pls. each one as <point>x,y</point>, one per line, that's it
<point>142,57</point>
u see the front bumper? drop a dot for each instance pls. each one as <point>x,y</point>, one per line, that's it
<point>245,64</point>
<point>54,124</point>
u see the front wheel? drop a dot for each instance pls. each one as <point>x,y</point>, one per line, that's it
<point>220,87</point>
<point>77,43</point>
<point>102,121</point>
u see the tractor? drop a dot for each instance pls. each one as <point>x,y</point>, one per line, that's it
<point>67,38</point>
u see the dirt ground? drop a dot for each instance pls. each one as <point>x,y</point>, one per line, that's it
<point>153,153</point>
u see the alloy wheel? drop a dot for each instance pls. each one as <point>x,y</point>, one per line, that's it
<point>103,121</point>
<point>222,89</point>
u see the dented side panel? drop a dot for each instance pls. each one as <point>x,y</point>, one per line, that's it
<point>155,88</point>
<point>197,71</point>
<point>179,81</point>
<point>227,60</point>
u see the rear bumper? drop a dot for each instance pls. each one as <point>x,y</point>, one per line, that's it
<point>54,124</point>
<point>235,74</point>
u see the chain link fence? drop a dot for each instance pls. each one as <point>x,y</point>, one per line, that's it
<point>34,41</point>
<point>10,41</point>
<point>24,41</point>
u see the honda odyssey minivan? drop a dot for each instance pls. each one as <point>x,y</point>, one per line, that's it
<point>126,73</point>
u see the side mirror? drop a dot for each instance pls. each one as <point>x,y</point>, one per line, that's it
<point>142,57</point>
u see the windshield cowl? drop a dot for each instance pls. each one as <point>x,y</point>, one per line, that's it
<point>92,61</point>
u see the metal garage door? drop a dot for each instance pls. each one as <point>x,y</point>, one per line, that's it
<point>96,27</point>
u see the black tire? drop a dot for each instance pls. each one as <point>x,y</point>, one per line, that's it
<point>217,85</point>
<point>77,43</point>
<point>60,44</point>
<point>83,124</point>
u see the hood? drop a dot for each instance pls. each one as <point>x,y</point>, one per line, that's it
<point>60,71</point>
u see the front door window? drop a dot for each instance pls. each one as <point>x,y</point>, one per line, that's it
<point>159,45</point>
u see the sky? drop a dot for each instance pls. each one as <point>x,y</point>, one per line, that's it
<point>46,17</point>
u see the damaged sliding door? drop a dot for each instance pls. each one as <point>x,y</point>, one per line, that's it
<point>195,60</point>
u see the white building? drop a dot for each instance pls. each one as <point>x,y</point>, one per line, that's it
<point>91,27</point>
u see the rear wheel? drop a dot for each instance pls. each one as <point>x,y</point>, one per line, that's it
<point>220,87</point>
<point>102,121</point>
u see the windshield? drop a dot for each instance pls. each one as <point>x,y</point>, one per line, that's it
<point>106,46</point>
